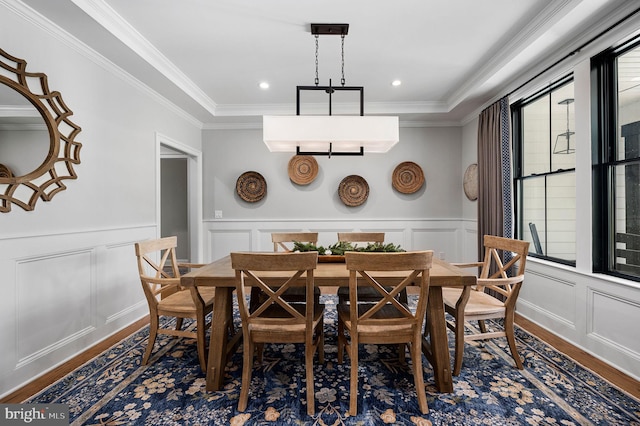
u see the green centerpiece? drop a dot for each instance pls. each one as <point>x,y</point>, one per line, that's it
<point>335,252</point>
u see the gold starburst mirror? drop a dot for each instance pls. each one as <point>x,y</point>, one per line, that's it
<point>37,137</point>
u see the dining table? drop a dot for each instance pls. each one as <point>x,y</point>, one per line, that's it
<point>224,339</point>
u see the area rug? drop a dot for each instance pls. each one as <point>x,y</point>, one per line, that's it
<point>114,389</point>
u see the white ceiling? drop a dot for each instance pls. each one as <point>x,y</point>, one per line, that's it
<point>209,56</point>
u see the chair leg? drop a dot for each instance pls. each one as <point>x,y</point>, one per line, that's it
<point>179,322</point>
<point>259,352</point>
<point>353,354</point>
<point>247,366</point>
<point>201,341</point>
<point>459,343</point>
<point>153,332</point>
<point>510,332</point>
<point>482,326</point>
<point>402,348</point>
<point>321,341</point>
<point>341,341</point>
<point>230,327</point>
<point>418,374</point>
<point>311,402</point>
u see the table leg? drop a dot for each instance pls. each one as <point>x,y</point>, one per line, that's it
<point>222,309</point>
<point>437,349</point>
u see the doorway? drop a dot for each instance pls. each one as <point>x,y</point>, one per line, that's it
<point>179,199</point>
<point>174,211</point>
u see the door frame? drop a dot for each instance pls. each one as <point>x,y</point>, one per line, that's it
<point>194,190</point>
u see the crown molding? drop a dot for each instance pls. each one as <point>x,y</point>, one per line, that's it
<point>33,17</point>
<point>491,66</point>
<point>370,108</point>
<point>106,16</point>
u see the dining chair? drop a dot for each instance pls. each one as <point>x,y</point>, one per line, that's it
<point>494,297</point>
<point>160,277</point>
<point>387,321</point>
<point>364,293</point>
<point>277,320</point>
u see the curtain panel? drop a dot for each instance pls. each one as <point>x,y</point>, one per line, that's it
<point>495,204</point>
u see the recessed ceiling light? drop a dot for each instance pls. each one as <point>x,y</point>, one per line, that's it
<point>396,83</point>
<point>264,85</point>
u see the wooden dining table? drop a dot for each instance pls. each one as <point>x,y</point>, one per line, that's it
<point>223,343</point>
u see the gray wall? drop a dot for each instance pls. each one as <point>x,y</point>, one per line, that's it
<point>228,154</point>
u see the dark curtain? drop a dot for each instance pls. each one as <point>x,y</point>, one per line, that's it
<point>495,205</point>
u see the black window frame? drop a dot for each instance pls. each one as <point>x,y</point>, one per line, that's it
<point>518,164</point>
<point>604,139</point>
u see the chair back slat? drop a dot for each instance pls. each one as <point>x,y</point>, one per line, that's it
<point>504,258</point>
<point>292,265</point>
<point>388,310</point>
<point>361,237</point>
<point>279,239</point>
<point>159,277</point>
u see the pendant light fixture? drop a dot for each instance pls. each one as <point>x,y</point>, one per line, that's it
<point>565,144</point>
<point>330,135</point>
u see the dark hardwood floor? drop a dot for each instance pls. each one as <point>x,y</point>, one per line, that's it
<point>616,377</point>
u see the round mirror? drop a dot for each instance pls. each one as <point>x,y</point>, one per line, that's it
<point>37,146</point>
<point>22,130</point>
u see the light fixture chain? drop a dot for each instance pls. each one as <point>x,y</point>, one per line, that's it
<point>342,80</point>
<point>317,80</point>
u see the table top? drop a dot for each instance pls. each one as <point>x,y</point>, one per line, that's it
<point>220,274</point>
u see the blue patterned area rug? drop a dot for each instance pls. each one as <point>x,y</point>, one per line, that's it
<point>114,389</point>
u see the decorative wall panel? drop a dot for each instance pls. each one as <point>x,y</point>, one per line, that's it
<point>613,318</point>
<point>49,288</point>
<point>551,294</point>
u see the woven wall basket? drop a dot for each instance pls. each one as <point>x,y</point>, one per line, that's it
<point>470,182</point>
<point>303,169</point>
<point>251,187</point>
<point>407,177</point>
<point>353,190</point>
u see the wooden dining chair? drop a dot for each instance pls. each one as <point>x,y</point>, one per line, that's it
<point>494,297</point>
<point>277,320</point>
<point>387,321</point>
<point>160,277</point>
<point>364,293</point>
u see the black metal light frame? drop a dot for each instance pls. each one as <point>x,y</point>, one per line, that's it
<point>330,90</point>
<point>330,29</point>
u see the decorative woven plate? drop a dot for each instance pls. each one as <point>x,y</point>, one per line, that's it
<point>251,187</point>
<point>407,177</point>
<point>470,182</point>
<point>303,169</point>
<point>5,172</point>
<point>353,190</point>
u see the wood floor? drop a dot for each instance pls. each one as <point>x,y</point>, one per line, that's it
<point>616,377</point>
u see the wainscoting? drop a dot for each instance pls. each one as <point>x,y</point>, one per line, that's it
<point>594,312</point>
<point>453,240</point>
<point>62,294</point>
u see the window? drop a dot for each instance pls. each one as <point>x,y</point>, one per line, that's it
<point>544,173</point>
<point>616,147</point>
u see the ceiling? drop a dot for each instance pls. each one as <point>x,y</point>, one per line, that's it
<point>209,56</point>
